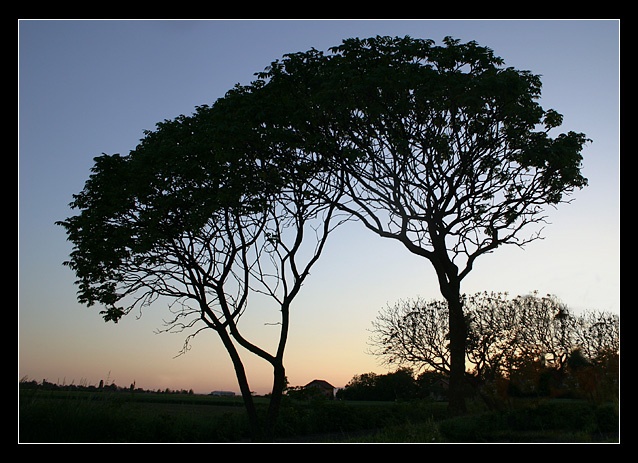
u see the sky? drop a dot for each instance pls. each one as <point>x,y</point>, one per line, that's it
<point>87,87</point>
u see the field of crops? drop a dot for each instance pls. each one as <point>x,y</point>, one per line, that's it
<point>121,417</point>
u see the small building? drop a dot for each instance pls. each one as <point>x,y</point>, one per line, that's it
<point>439,389</point>
<point>222,393</point>
<point>322,387</point>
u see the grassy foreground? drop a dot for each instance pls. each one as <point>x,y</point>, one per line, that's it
<point>105,417</point>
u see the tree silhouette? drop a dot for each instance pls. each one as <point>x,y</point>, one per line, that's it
<point>520,340</point>
<point>438,147</point>
<point>441,148</point>
<point>202,213</point>
<point>414,333</point>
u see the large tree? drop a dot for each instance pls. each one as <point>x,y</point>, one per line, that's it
<point>207,209</point>
<point>439,147</point>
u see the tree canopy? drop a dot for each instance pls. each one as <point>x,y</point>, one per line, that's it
<point>440,147</point>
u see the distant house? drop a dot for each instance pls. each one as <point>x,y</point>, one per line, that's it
<point>321,386</point>
<point>439,389</point>
<point>223,393</point>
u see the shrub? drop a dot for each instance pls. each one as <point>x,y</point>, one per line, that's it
<point>607,418</point>
<point>473,428</point>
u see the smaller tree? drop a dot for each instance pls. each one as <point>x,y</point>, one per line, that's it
<point>528,341</point>
<point>207,210</point>
<point>397,385</point>
<point>412,333</point>
<point>598,334</point>
<point>492,334</point>
<point>415,333</point>
<point>360,387</point>
<point>546,329</point>
<point>392,386</point>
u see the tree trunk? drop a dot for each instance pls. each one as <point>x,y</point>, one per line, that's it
<point>279,383</point>
<point>458,339</point>
<point>253,420</point>
<point>450,285</point>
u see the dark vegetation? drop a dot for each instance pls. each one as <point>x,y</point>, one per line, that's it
<point>561,385</point>
<point>395,407</point>
<point>526,346</point>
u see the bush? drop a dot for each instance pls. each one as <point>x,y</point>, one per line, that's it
<point>298,418</point>
<point>549,421</point>
<point>407,432</point>
<point>607,418</point>
<point>552,415</point>
<point>48,416</point>
<point>55,417</point>
<point>473,428</point>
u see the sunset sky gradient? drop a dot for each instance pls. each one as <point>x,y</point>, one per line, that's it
<point>88,87</point>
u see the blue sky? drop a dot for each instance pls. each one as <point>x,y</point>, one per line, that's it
<point>88,87</point>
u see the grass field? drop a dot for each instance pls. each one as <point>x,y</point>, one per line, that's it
<point>122,417</point>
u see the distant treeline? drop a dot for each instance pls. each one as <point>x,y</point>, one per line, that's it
<point>111,387</point>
